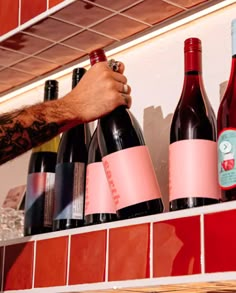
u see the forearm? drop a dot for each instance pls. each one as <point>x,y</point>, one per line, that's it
<point>29,127</point>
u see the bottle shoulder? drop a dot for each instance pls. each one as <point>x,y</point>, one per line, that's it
<point>194,116</point>
<point>42,162</point>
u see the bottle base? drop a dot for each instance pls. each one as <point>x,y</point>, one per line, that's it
<point>191,202</point>
<point>95,219</point>
<point>229,195</point>
<point>65,224</point>
<point>29,231</point>
<point>147,208</point>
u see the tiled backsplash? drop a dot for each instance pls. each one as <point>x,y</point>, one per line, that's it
<point>175,244</point>
<point>69,34</point>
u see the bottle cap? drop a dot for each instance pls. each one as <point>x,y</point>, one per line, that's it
<point>51,90</point>
<point>192,44</point>
<point>77,75</point>
<point>97,55</point>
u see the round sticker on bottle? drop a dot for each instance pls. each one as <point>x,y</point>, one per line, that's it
<point>226,158</point>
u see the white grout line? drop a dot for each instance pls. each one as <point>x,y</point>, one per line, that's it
<point>151,243</point>
<point>19,13</point>
<point>202,247</point>
<point>47,5</point>
<point>34,264</point>
<point>68,260</point>
<point>107,256</point>
<point>175,4</point>
<point>3,266</point>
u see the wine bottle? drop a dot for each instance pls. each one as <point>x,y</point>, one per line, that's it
<point>127,161</point>
<point>99,203</point>
<point>70,172</point>
<point>226,127</point>
<point>193,148</point>
<point>41,179</point>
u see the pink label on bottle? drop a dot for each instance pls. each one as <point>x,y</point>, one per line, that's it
<point>193,169</point>
<point>131,176</point>
<point>98,198</point>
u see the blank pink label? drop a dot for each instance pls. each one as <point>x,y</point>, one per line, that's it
<point>98,198</point>
<point>131,176</point>
<point>193,169</point>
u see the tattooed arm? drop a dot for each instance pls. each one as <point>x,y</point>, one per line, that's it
<point>99,92</point>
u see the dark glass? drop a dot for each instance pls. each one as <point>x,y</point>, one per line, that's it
<point>42,160</point>
<point>194,117</point>
<point>94,156</point>
<point>34,217</point>
<point>226,118</point>
<point>73,148</point>
<point>117,131</point>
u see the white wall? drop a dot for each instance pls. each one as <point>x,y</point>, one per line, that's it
<point>155,73</point>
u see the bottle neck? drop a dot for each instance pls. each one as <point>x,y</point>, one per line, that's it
<point>233,62</point>
<point>193,62</point>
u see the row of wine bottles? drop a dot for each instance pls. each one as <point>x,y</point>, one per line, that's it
<point>110,176</point>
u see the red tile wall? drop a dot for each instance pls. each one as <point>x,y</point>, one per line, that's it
<point>51,262</point>
<point>129,252</point>
<point>30,9</point>
<point>177,247</point>
<point>9,11</point>
<point>18,266</point>
<point>88,258</point>
<point>54,2</point>
<point>220,239</point>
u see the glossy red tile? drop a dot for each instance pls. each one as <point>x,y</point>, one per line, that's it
<point>129,253</point>
<point>220,238</point>
<point>112,27</point>
<point>18,267</point>
<point>53,29</point>
<point>189,3</point>
<point>14,77</point>
<point>86,15</point>
<point>8,57</point>
<point>88,41</point>
<point>23,43</point>
<point>176,247</point>
<point>51,262</point>
<point>9,11</point>
<point>54,2</point>
<point>30,9</point>
<point>35,66</point>
<point>153,11</point>
<point>61,54</point>
<point>88,258</point>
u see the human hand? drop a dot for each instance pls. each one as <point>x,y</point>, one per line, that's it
<point>100,91</point>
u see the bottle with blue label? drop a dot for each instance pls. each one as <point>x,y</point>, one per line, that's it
<point>226,126</point>
<point>70,172</point>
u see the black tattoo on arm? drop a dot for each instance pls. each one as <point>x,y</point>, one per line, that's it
<point>15,138</point>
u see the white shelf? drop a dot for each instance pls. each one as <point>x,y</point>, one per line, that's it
<point>195,284</point>
<point>220,207</point>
